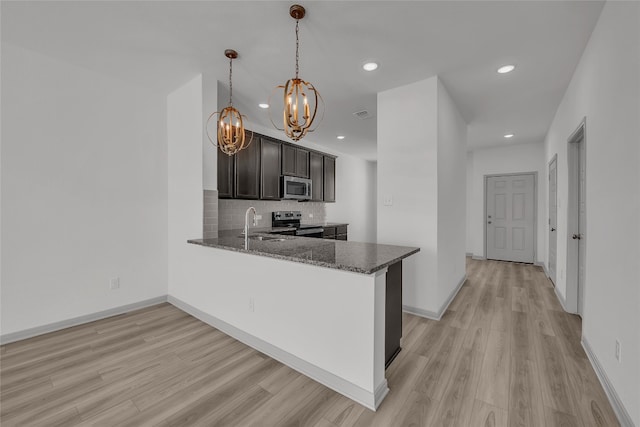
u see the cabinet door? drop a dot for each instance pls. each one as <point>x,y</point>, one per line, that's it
<point>316,174</point>
<point>302,163</point>
<point>270,169</point>
<point>329,233</point>
<point>288,160</point>
<point>329,179</point>
<point>226,174</point>
<point>248,171</point>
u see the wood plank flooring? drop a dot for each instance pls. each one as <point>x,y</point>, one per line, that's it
<point>505,353</point>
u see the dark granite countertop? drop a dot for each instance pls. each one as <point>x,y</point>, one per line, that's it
<point>365,258</point>
<point>327,224</point>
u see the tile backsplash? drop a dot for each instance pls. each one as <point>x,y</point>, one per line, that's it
<point>210,215</point>
<point>230,212</point>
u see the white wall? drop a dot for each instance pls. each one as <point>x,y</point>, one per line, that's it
<point>83,191</point>
<point>408,174</point>
<point>209,95</point>
<point>185,176</point>
<point>605,89</point>
<point>355,198</point>
<point>452,183</point>
<point>469,240</point>
<point>499,160</point>
<point>422,169</point>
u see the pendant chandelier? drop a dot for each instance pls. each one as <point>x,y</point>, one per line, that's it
<point>301,99</point>
<point>231,136</point>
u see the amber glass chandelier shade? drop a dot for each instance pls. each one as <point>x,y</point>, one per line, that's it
<point>301,100</point>
<point>230,136</point>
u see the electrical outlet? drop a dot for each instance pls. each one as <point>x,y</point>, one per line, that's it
<point>310,215</point>
<point>114,283</point>
<point>252,306</point>
<point>387,200</point>
<point>618,351</point>
<point>258,217</point>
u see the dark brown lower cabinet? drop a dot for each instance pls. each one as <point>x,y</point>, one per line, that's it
<point>335,233</point>
<point>393,313</point>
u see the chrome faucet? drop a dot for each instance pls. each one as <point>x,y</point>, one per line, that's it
<point>246,225</point>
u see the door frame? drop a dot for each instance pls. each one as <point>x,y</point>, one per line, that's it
<point>535,209</point>
<point>574,288</point>
<point>555,273</point>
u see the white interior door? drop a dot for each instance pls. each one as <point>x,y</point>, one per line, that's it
<point>576,221</point>
<point>553,218</point>
<point>582,222</point>
<point>510,217</point>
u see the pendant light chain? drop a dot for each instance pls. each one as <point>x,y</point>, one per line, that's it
<point>297,47</point>
<point>230,81</point>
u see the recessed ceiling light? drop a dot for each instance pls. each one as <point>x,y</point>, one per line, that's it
<point>369,66</point>
<point>509,135</point>
<point>263,105</point>
<point>340,137</point>
<point>506,69</point>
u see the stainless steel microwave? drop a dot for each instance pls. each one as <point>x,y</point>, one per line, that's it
<point>292,187</point>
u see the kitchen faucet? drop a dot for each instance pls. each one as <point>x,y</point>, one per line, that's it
<point>246,225</point>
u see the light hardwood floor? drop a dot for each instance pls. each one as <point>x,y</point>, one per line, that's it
<point>505,353</point>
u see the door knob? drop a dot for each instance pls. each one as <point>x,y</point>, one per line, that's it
<point>576,237</point>
<point>553,229</point>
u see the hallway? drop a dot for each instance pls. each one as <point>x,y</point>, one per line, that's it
<point>504,353</point>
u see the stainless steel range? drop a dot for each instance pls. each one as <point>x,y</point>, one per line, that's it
<point>291,219</point>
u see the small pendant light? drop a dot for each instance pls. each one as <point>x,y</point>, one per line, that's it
<point>231,136</point>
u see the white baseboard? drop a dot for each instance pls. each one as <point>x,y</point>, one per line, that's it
<point>63,324</point>
<point>469,254</point>
<point>621,412</point>
<point>563,302</point>
<point>367,399</point>
<point>433,315</point>
<point>479,258</point>
<point>544,267</point>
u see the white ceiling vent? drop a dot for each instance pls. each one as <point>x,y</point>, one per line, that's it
<point>364,114</point>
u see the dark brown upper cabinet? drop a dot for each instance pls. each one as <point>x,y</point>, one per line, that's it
<point>295,161</point>
<point>254,173</point>
<point>316,174</point>
<point>226,174</point>
<point>288,160</point>
<point>302,163</point>
<point>248,171</point>
<point>270,159</point>
<point>329,179</point>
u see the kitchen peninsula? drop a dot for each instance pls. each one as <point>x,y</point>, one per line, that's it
<point>330,309</point>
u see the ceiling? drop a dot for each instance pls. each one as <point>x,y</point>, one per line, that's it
<point>163,44</point>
